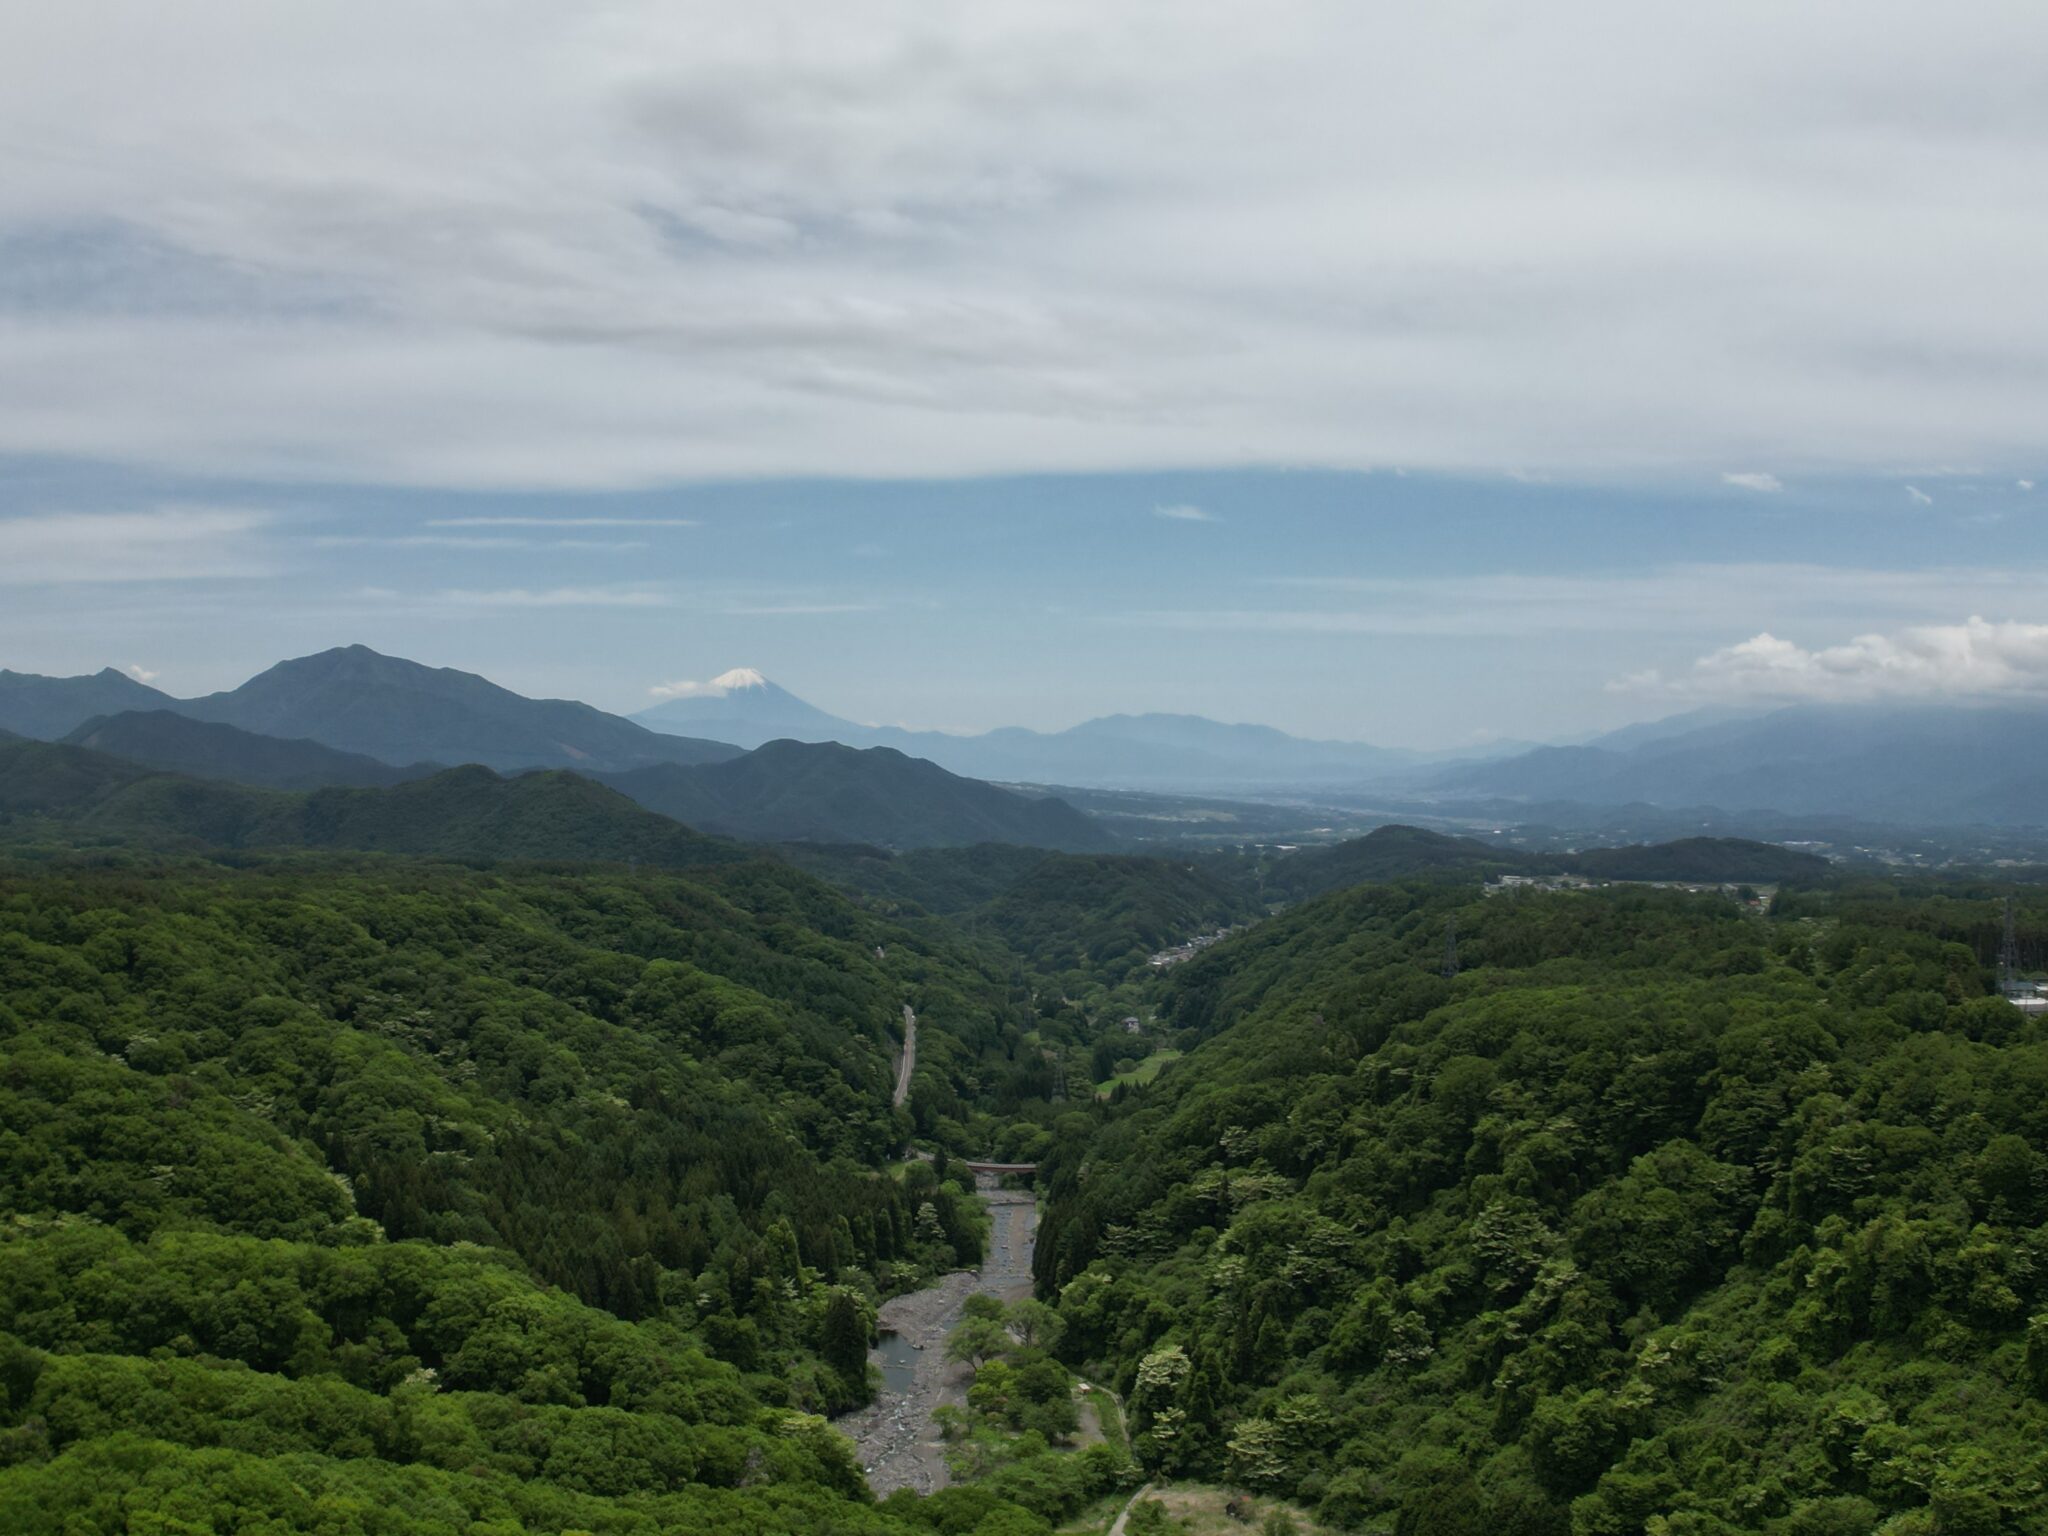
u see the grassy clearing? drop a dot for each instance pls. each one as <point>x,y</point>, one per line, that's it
<point>1109,1420</point>
<point>1139,1075</point>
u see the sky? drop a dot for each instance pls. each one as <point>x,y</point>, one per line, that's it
<point>1485,372</point>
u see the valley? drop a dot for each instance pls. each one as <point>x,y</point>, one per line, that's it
<point>479,1146</point>
<point>896,1439</point>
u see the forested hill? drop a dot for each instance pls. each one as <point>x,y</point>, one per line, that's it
<point>790,791</point>
<point>52,791</point>
<point>1104,915</point>
<point>161,738</point>
<point>1088,917</point>
<point>399,711</point>
<point>1391,853</point>
<point>1396,852</point>
<point>1660,1217</point>
<point>1701,860</point>
<point>424,1200</point>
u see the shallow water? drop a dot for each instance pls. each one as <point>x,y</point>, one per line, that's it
<point>894,1436</point>
<point>897,1357</point>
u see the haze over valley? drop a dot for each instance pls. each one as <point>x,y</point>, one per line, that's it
<point>1023,769</point>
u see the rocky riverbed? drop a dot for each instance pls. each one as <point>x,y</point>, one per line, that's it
<point>894,1435</point>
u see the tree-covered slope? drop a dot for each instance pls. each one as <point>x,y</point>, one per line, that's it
<point>1092,916</point>
<point>399,712</point>
<point>1660,1217</point>
<point>789,791</point>
<point>1105,913</point>
<point>1397,852</point>
<point>1701,860</point>
<point>56,791</point>
<point>947,881</point>
<point>417,1200</point>
<point>175,743</point>
<point>1391,853</point>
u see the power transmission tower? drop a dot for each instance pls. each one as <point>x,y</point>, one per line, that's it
<point>1451,950</point>
<point>2008,952</point>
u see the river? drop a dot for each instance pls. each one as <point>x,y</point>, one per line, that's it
<point>894,1436</point>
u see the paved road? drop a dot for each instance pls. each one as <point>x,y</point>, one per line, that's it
<point>909,1063</point>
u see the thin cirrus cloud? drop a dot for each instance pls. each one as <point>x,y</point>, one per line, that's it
<point>1671,599</point>
<point>465,541</point>
<point>1976,658</point>
<point>562,522</point>
<point>554,597</point>
<point>889,239</point>
<point>797,610</point>
<point>1753,480</point>
<point>179,543</point>
<point>1183,512</point>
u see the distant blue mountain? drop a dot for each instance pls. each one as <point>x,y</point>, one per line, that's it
<point>46,708</point>
<point>1919,764</point>
<point>1154,751</point>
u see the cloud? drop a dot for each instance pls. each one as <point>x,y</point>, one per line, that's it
<point>554,597</point>
<point>1918,497</point>
<point>1184,513</point>
<point>166,544</point>
<point>776,610</point>
<point>1678,599</point>
<point>465,541</point>
<point>1972,659</point>
<point>562,522</point>
<point>2025,485</point>
<point>140,673</point>
<point>717,688</point>
<point>1753,480</point>
<point>909,240</point>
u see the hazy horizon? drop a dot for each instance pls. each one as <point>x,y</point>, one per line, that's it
<point>1420,379</point>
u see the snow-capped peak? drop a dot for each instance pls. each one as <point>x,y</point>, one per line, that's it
<point>725,683</point>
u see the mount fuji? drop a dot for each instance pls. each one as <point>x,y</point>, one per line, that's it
<point>743,708</point>
<point>1153,751</point>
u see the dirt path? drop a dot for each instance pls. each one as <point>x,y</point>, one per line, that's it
<point>909,1062</point>
<point>894,1436</point>
<point>1117,1527</point>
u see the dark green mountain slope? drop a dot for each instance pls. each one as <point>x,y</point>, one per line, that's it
<point>162,738</point>
<point>1399,853</point>
<point>1100,915</point>
<point>421,1200</point>
<point>57,791</point>
<point>1708,860</point>
<point>789,791</point>
<point>1393,853</point>
<point>399,712</point>
<point>1660,1218</point>
<point>947,881</point>
<point>49,707</point>
<point>1104,914</point>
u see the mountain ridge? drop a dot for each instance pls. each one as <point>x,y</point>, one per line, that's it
<point>468,812</point>
<point>208,749</point>
<point>790,791</point>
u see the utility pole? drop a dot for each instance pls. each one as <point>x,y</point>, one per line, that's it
<point>1451,949</point>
